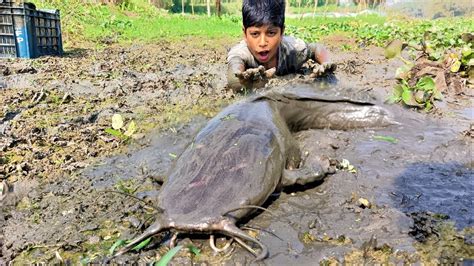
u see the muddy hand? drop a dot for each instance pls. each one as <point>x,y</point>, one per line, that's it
<point>270,73</point>
<point>324,68</point>
<point>256,74</point>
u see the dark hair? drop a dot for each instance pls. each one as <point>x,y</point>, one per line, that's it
<point>263,12</point>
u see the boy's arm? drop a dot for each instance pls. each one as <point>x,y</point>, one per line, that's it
<point>235,66</point>
<point>319,53</point>
<point>238,75</point>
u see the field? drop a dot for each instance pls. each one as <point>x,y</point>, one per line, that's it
<point>137,83</point>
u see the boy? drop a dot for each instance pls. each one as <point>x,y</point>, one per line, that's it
<point>265,51</point>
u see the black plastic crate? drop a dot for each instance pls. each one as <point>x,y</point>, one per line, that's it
<point>47,27</point>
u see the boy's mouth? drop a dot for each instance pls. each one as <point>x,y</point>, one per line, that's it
<point>263,56</point>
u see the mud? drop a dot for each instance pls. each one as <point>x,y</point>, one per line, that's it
<point>409,201</point>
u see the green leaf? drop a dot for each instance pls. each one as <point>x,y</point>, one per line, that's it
<point>398,91</point>
<point>435,55</point>
<point>117,121</point>
<point>114,132</point>
<point>470,62</point>
<point>393,99</point>
<point>437,94</point>
<point>466,52</point>
<point>346,165</point>
<point>142,244</point>
<point>426,84</point>
<point>455,66</point>
<point>386,138</point>
<point>117,244</point>
<point>393,49</point>
<point>419,96</point>
<point>194,250</point>
<point>85,261</point>
<point>428,106</point>
<point>407,97</point>
<point>168,256</point>
<point>402,71</point>
<point>132,128</point>
<point>172,155</point>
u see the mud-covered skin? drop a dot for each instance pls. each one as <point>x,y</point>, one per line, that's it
<point>240,157</point>
<point>321,105</point>
<point>245,143</point>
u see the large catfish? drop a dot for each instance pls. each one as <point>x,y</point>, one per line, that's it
<point>247,152</point>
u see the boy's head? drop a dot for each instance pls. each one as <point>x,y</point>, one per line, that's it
<point>263,26</point>
<point>263,12</point>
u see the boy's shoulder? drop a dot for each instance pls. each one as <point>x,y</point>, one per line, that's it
<point>241,51</point>
<point>293,43</point>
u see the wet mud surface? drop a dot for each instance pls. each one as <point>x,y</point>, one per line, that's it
<point>405,197</point>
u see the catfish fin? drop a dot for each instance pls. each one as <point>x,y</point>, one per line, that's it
<point>315,171</point>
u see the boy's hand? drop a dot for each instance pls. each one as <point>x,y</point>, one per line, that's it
<point>324,68</point>
<point>255,74</point>
<point>255,77</point>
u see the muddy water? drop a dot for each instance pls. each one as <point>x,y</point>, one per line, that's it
<point>428,169</point>
<point>427,173</point>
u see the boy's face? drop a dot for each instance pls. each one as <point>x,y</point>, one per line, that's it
<point>263,43</point>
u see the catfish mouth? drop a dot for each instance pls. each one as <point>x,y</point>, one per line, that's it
<point>222,226</point>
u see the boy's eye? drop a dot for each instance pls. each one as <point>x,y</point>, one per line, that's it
<point>254,34</point>
<point>271,33</point>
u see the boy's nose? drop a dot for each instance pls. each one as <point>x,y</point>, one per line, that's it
<point>263,41</point>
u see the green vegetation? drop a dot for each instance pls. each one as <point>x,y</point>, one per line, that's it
<point>136,20</point>
<point>421,95</point>
<point>168,256</point>
<point>385,138</point>
<point>423,81</point>
<point>118,130</point>
<point>377,30</point>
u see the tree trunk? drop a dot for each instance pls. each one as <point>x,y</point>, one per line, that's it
<point>315,7</point>
<point>182,7</point>
<point>209,8</point>
<point>192,7</point>
<point>218,8</point>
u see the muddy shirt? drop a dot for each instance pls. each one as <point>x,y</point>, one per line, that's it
<point>292,54</point>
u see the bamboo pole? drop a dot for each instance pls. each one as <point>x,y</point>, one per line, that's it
<point>315,6</point>
<point>208,8</point>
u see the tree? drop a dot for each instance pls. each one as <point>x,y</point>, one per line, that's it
<point>209,8</point>
<point>218,7</point>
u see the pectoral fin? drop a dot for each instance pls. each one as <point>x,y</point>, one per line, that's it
<point>315,171</point>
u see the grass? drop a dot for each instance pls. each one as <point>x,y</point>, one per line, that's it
<point>138,21</point>
<point>322,9</point>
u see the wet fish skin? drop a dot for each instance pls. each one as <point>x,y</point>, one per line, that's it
<point>244,154</point>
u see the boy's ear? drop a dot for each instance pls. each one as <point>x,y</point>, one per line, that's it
<point>243,34</point>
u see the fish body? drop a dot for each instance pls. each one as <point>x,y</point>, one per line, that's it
<point>247,152</point>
